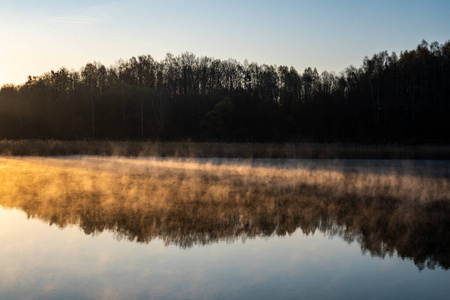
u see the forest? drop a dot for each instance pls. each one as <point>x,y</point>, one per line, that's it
<point>390,98</point>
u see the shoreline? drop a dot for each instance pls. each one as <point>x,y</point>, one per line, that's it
<point>223,150</point>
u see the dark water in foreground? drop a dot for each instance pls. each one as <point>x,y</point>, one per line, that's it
<point>115,228</point>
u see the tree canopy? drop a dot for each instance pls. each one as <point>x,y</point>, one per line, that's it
<point>391,97</point>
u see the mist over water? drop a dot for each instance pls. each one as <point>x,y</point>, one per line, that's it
<point>183,228</point>
<point>387,207</point>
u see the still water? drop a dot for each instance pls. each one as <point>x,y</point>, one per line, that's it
<point>115,228</point>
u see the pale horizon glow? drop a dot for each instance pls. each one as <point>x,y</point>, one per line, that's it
<point>37,37</point>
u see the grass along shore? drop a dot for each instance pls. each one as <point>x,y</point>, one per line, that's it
<point>226,150</point>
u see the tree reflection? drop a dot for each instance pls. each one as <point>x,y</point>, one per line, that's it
<point>188,203</point>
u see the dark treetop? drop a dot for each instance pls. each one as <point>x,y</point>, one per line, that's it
<point>403,98</point>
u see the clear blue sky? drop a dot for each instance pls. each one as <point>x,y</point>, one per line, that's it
<point>37,36</point>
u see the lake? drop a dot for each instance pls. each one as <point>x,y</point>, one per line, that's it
<point>91,227</point>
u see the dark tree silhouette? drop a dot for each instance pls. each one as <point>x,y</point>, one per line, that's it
<point>390,98</point>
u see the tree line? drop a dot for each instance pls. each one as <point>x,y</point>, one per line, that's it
<point>390,98</point>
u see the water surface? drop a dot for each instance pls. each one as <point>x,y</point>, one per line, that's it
<point>92,227</point>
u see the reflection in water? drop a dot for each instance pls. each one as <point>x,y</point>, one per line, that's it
<point>189,202</point>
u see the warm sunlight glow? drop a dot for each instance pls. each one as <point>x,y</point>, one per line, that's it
<point>2,79</point>
<point>190,202</point>
<point>230,134</point>
<point>41,36</point>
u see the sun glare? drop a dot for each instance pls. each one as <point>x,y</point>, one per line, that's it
<point>3,80</point>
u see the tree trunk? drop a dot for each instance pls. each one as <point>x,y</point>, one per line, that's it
<point>142,118</point>
<point>93,114</point>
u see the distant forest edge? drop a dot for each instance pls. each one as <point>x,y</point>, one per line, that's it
<point>225,150</point>
<point>391,98</point>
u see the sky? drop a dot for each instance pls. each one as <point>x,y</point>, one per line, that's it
<point>39,36</point>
